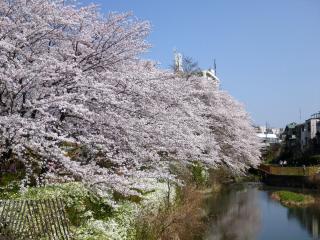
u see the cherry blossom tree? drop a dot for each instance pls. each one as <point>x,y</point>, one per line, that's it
<point>237,146</point>
<point>77,102</point>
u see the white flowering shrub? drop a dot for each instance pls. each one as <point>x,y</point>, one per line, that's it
<point>91,218</point>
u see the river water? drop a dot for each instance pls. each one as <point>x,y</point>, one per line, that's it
<point>247,212</point>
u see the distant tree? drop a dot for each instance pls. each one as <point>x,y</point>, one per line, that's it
<point>190,67</point>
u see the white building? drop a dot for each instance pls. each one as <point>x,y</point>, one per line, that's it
<point>210,73</point>
<point>265,129</point>
<point>277,131</point>
<point>269,135</point>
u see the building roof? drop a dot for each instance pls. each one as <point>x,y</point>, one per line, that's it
<point>315,115</point>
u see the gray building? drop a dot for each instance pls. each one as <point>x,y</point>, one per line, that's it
<point>310,129</point>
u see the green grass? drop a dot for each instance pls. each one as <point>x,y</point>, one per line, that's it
<point>292,199</point>
<point>9,184</point>
<point>290,196</point>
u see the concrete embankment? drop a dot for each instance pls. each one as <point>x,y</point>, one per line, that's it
<point>307,177</point>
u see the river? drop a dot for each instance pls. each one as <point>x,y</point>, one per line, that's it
<point>247,212</point>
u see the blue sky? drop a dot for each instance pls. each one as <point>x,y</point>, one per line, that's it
<point>267,52</point>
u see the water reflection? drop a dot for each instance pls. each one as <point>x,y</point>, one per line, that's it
<point>246,212</point>
<point>235,215</point>
<point>308,218</point>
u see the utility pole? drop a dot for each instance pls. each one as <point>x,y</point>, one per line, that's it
<point>266,131</point>
<point>300,114</point>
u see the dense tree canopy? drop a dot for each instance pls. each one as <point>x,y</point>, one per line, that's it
<point>77,102</point>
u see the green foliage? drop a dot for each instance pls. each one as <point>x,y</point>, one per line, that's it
<point>305,159</point>
<point>315,159</point>
<point>199,174</point>
<point>9,184</point>
<point>271,153</point>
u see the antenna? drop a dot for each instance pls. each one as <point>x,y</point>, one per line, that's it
<point>300,114</point>
<point>266,130</point>
<point>215,67</point>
